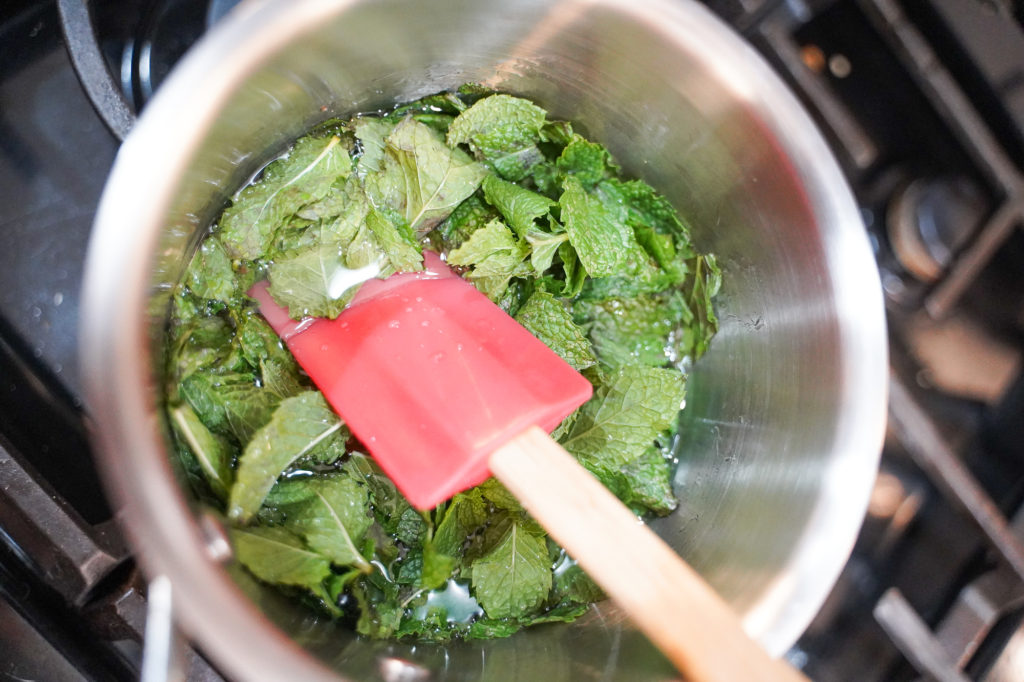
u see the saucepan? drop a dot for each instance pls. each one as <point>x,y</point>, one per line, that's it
<point>785,413</point>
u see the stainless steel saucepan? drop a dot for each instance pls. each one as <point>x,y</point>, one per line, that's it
<point>785,413</point>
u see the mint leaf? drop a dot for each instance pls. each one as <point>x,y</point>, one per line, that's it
<point>302,282</point>
<point>467,218</point>
<point>466,512</point>
<point>262,347</point>
<point>437,178</point>
<point>495,256</point>
<point>397,243</point>
<point>392,511</point>
<point>211,452</point>
<point>298,427</point>
<point>604,245</point>
<point>332,515</point>
<point>320,281</point>
<point>437,567</point>
<point>544,245</point>
<point>353,207</point>
<point>640,330</point>
<point>380,610</point>
<point>514,578</point>
<point>589,162</point>
<point>646,206</point>
<point>247,227</point>
<point>229,403</point>
<point>575,273</point>
<point>209,274</point>
<point>372,133</point>
<point>200,343</point>
<point>276,556</point>
<point>645,483</point>
<point>625,416</point>
<point>519,206</point>
<point>502,131</point>
<point>550,321</point>
<point>702,287</point>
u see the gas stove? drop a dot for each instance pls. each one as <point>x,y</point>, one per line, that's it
<point>923,105</point>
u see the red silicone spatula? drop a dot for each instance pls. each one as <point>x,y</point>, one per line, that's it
<point>445,389</point>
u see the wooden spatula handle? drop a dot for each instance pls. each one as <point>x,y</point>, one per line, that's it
<point>666,598</point>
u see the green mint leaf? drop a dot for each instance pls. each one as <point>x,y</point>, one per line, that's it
<point>502,131</point>
<point>355,205</point>
<point>564,613</point>
<point>646,278</point>
<point>547,179</point>
<point>229,403</point>
<point>645,483</point>
<point>701,289</point>
<point>498,495</point>
<point>442,102</point>
<point>575,273</point>
<point>247,227</point>
<point>209,274</point>
<point>557,133</point>
<point>572,585</point>
<point>625,416</point>
<point>333,204</point>
<point>437,178</point>
<point>467,218</point>
<point>466,512</point>
<point>258,341</point>
<point>397,242</point>
<point>380,610</point>
<point>641,330</point>
<point>518,206</point>
<point>514,578</point>
<point>604,245</point>
<point>281,379</point>
<point>543,246</point>
<point>437,567</point>
<point>646,206</point>
<point>200,343</point>
<point>470,93</point>
<point>549,320</point>
<point>276,556</point>
<point>212,453</point>
<point>488,628</point>
<point>303,282</point>
<point>392,511</point>
<point>588,162</point>
<point>495,256</point>
<point>332,516</point>
<point>297,428</point>
<point>662,249</point>
<point>372,134</point>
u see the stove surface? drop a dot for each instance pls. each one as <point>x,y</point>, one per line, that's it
<point>923,105</point>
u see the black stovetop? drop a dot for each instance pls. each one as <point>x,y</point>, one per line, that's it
<point>923,104</point>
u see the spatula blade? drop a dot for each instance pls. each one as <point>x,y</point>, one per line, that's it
<point>431,376</point>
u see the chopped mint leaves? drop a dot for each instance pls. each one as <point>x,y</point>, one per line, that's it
<point>549,320</point>
<point>627,414</point>
<point>604,245</point>
<point>503,132</point>
<point>297,428</point>
<point>495,257</point>
<point>437,177</point>
<point>540,219</point>
<point>305,175</point>
<point>518,206</point>
<point>514,577</point>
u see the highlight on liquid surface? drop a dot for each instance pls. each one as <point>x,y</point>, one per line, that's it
<point>539,218</point>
